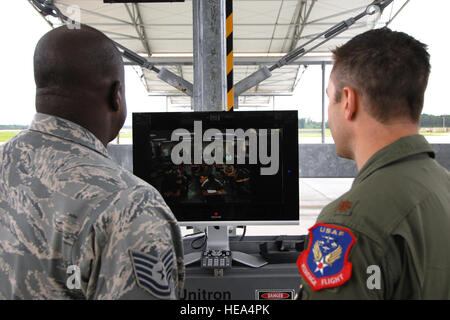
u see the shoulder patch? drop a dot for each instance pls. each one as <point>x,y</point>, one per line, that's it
<point>153,274</point>
<point>324,264</point>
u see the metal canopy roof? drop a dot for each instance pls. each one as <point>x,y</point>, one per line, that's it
<point>264,30</point>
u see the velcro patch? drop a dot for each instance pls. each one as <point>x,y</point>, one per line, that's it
<point>324,264</point>
<point>152,273</point>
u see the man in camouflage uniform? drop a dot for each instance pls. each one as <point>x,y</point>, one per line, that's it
<point>74,224</point>
<point>388,237</point>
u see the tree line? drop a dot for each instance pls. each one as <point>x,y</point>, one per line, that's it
<point>426,121</point>
<point>431,121</point>
<point>12,127</point>
<point>310,124</point>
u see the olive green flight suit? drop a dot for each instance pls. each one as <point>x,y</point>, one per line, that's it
<point>398,209</point>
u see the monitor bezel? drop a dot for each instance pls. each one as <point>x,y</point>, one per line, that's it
<point>285,117</point>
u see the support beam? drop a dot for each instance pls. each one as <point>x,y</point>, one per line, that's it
<point>238,61</point>
<point>303,17</point>
<point>210,74</point>
<point>187,25</point>
<point>136,19</point>
<point>247,94</point>
<point>342,13</point>
<point>89,12</point>
<point>275,26</point>
<point>396,14</point>
<point>294,23</point>
<point>298,76</point>
<point>121,35</point>
<point>180,70</point>
<point>323,102</point>
<point>237,39</point>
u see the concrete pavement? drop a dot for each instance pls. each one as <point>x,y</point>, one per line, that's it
<point>314,195</point>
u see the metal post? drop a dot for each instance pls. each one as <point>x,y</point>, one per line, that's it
<point>323,101</point>
<point>229,55</point>
<point>210,74</point>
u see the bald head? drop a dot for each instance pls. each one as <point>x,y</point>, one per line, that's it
<point>79,76</point>
<point>79,58</point>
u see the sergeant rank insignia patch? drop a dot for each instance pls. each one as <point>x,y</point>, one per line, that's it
<point>153,274</point>
<point>324,264</point>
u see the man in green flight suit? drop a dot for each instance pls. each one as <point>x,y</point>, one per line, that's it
<point>388,237</point>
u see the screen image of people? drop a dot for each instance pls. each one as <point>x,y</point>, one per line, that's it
<point>226,181</point>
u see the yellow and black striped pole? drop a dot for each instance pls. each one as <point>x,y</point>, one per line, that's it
<point>229,36</point>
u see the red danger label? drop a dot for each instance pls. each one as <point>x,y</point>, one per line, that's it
<point>287,294</point>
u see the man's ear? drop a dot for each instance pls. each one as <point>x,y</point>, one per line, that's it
<point>116,96</point>
<point>350,97</point>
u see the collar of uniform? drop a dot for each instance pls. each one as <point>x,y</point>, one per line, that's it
<point>400,149</point>
<point>67,130</point>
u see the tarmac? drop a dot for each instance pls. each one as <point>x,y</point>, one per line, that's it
<point>315,194</point>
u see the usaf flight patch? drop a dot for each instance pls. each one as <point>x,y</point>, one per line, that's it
<point>324,264</point>
<point>153,274</point>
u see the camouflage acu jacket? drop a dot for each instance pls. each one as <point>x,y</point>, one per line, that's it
<point>74,224</point>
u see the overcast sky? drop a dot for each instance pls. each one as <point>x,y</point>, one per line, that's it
<point>22,27</point>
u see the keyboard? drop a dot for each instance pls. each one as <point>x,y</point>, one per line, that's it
<point>216,259</point>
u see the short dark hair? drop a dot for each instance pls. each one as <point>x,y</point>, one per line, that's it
<point>388,69</point>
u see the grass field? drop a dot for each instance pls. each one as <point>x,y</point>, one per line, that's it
<point>126,134</point>
<point>312,133</point>
<point>5,135</point>
<point>317,133</point>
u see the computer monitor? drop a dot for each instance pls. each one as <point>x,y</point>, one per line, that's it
<point>221,168</point>
<point>217,168</point>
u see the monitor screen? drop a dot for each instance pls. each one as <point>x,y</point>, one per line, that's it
<point>221,168</point>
